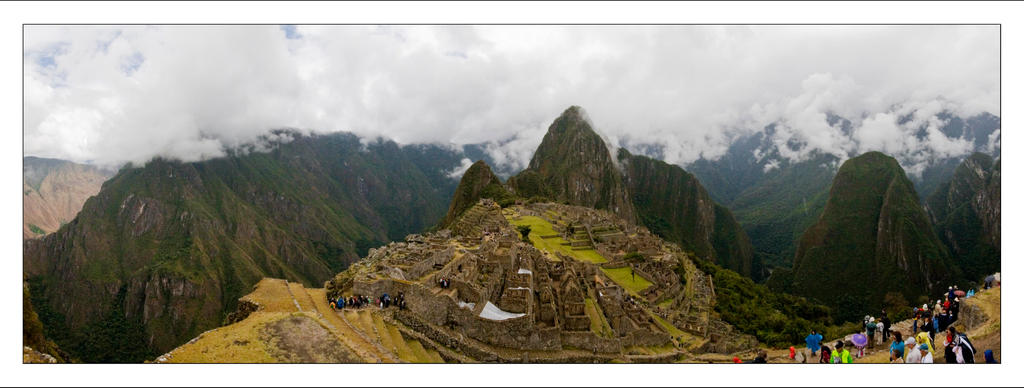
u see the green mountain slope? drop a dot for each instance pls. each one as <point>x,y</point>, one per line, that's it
<point>873,238</point>
<point>673,204</point>
<point>785,202</point>
<point>966,214</point>
<point>476,183</point>
<point>164,251</point>
<point>573,165</point>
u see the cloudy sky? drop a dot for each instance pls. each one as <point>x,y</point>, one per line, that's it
<point>108,95</point>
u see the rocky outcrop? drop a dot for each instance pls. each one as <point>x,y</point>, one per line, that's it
<point>872,238</point>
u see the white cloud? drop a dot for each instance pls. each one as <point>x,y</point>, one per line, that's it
<point>460,170</point>
<point>128,93</point>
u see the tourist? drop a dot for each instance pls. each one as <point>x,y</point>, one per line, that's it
<point>886,325</point>
<point>881,328</point>
<point>990,358</point>
<point>926,355</point>
<point>871,327</point>
<point>917,318</point>
<point>947,303</point>
<point>841,355</point>
<point>942,322</point>
<point>762,357</point>
<point>954,310</point>
<point>929,327</point>
<point>963,349</point>
<point>897,347</point>
<point>813,341</point>
<point>950,294</point>
<point>988,281</point>
<point>938,306</point>
<point>924,341</point>
<point>913,356</point>
<point>826,355</point>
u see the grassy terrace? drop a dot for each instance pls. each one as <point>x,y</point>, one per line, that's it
<point>598,324</point>
<point>540,227</point>
<point>625,278</point>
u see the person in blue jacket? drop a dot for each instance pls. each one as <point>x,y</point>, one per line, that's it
<point>813,342</point>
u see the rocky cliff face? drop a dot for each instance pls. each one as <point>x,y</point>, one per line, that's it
<point>872,238</point>
<point>673,204</point>
<point>966,214</point>
<point>574,165</point>
<point>478,182</point>
<point>169,247</point>
<point>54,191</point>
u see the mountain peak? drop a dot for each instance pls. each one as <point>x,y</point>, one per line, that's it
<point>477,182</point>
<point>573,164</point>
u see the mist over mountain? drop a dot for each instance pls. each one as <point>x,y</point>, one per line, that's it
<point>775,198</point>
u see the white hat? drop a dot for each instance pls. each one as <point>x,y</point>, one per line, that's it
<point>911,341</point>
<point>924,306</point>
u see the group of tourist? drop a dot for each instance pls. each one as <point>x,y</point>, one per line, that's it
<point>354,301</point>
<point>919,347</point>
<point>385,301</point>
<point>444,282</point>
<point>360,301</point>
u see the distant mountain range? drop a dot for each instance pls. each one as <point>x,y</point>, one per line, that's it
<point>163,251</point>
<point>54,191</point>
<point>776,199</point>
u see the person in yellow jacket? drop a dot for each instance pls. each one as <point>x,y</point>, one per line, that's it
<point>923,339</point>
<point>840,355</point>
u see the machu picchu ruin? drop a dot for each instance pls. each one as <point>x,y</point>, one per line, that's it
<point>478,293</point>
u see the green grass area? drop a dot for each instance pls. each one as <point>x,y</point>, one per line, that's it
<point>540,227</point>
<point>670,328</point>
<point>666,303</point>
<point>36,229</point>
<point>623,276</point>
<point>598,324</point>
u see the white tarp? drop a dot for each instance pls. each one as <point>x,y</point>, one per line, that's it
<point>493,313</point>
<point>524,270</point>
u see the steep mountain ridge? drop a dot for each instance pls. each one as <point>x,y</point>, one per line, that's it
<point>776,199</point>
<point>673,204</point>
<point>574,165</point>
<point>170,246</point>
<point>476,183</point>
<point>966,213</point>
<point>872,238</point>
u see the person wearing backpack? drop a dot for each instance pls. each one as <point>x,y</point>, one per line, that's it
<point>962,348</point>
<point>871,327</point>
<point>826,355</point>
<point>888,326</point>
